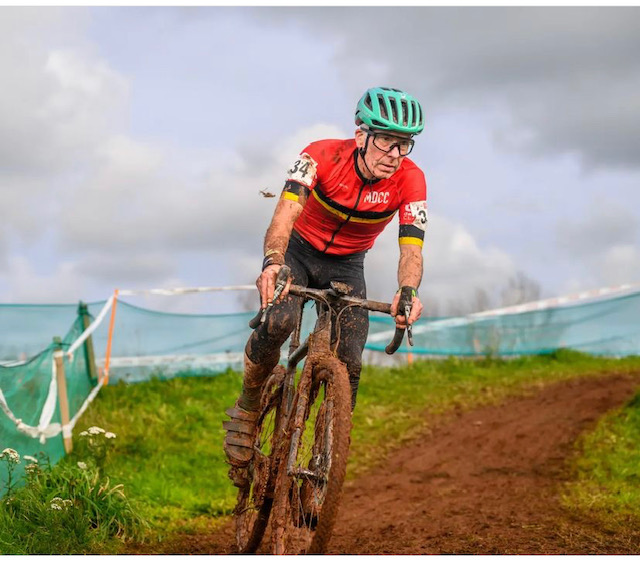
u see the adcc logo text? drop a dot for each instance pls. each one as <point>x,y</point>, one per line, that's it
<point>377,197</point>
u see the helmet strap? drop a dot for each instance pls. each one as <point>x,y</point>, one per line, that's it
<point>362,152</point>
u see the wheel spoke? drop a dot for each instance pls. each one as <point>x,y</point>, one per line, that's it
<point>309,480</point>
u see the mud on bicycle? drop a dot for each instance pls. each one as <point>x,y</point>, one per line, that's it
<point>294,480</point>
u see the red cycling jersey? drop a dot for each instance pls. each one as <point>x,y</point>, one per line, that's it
<point>344,212</point>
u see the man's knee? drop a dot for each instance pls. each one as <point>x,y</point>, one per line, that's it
<point>267,339</point>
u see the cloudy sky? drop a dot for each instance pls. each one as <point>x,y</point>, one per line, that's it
<point>135,142</point>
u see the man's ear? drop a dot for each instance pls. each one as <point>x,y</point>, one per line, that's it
<point>360,139</point>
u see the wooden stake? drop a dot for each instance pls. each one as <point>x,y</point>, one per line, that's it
<point>63,398</point>
<point>112,321</point>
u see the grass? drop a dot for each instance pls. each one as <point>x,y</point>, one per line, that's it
<point>169,454</point>
<point>607,472</point>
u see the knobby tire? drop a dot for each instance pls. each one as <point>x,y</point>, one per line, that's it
<point>304,509</point>
<point>255,500</point>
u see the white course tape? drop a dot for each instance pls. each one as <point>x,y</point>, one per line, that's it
<point>92,327</point>
<point>182,291</point>
<point>50,404</point>
<point>14,362</point>
<point>155,360</point>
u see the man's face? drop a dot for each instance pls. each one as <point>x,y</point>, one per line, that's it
<point>384,152</point>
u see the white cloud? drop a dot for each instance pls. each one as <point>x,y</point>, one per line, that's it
<point>25,284</point>
<point>59,102</point>
<point>618,261</point>
<point>569,76</point>
<point>455,266</point>
<point>141,196</point>
<point>604,226</point>
<point>604,242</point>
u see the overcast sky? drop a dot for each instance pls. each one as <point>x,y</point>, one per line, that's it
<point>135,142</point>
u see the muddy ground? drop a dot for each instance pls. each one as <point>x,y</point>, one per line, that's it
<point>482,482</point>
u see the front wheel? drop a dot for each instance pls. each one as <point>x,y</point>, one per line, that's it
<point>255,497</point>
<point>313,466</point>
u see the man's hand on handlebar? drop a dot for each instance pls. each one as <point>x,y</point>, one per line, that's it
<point>266,284</point>
<point>406,297</point>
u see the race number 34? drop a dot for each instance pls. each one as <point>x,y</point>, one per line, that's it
<point>303,170</point>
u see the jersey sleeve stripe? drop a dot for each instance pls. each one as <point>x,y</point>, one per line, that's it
<point>410,241</point>
<point>409,230</point>
<point>290,196</point>
<point>293,190</point>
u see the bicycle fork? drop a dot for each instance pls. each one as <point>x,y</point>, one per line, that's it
<point>319,342</point>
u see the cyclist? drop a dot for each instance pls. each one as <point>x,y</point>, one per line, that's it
<point>339,196</point>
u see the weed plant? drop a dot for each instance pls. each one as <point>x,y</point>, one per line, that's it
<point>70,508</point>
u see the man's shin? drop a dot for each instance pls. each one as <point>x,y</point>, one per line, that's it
<point>254,377</point>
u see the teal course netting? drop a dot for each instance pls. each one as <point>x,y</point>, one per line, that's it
<point>149,343</point>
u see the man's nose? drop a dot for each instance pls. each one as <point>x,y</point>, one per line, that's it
<point>394,152</point>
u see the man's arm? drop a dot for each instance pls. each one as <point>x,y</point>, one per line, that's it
<point>410,266</point>
<point>276,241</point>
<point>409,275</point>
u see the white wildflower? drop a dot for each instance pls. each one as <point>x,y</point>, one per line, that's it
<point>10,455</point>
<point>95,430</point>
<point>31,468</point>
<point>56,507</point>
<point>68,503</point>
<point>110,435</point>
<point>82,465</point>
<point>84,433</point>
<point>30,458</point>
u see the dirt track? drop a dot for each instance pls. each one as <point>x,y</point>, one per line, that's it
<point>484,482</point>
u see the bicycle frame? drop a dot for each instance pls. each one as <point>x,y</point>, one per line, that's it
<point>318,343</point>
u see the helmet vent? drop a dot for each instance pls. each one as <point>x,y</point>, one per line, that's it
<point>394,110</point>
<point>405,112</point>
<point>367,102</point>
<point>383,107</point>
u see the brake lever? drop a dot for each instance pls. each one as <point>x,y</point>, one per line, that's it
<point>276,294</point>
<point>281,282</point>
<point>407,313</point>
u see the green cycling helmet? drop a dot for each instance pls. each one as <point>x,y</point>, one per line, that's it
<point>390,109</point>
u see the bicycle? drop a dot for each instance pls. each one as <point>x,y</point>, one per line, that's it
<point>303,433</point>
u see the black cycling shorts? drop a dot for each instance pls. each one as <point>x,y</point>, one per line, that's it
<point>311,268</point>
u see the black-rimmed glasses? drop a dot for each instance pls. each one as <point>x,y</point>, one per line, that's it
<point>386,142</point>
